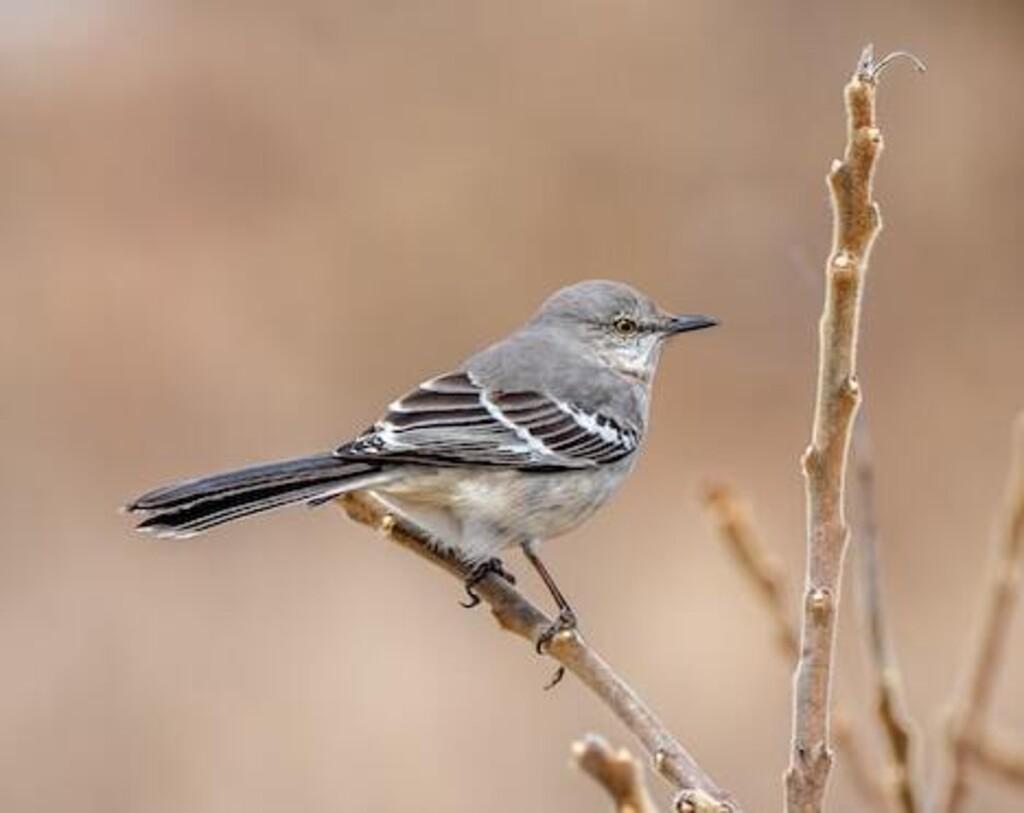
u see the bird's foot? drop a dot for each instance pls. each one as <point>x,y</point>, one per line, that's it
<point>480,572</point>
<point>566,622</point>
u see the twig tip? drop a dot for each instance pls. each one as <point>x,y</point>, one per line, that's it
<point>869,70</point>
<point>888,59</point>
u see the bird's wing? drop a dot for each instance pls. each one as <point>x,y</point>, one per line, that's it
<point>453,420</point>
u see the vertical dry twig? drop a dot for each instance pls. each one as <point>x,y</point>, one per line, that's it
<point>968,735</point>
<point>760,565</point>
<point>698,793</point>
<point>856,224</point>
<point>616,771</point>
<point>890,705</point>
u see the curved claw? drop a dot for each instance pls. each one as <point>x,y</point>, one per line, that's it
<point>556,678</point>
<point>474,599</point>
<point>481,572</point>
<point>565,622</point>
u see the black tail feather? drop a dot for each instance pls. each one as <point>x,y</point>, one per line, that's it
<point>193,506</point>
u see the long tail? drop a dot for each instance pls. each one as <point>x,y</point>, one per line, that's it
<point>193,506</point>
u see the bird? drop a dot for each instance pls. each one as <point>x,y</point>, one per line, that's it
<point>517,445</point>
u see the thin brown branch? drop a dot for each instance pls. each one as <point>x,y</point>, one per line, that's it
<point>760,565</point>
<point>617,772</point>
<point>969,726</point>
<point>856,222</point>
<point>890,705</point>
<point>516,614</point>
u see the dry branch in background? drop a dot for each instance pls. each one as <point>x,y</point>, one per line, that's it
<point>856,222</point>
<point>616,771</point>
<point>970,739</point>
<point>890,705</point>
<point>698,793</point>
<point>999,755</point>
<point>735,528</point>
<point>756,562</point>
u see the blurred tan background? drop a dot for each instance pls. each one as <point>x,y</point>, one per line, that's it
<point>232,231</point>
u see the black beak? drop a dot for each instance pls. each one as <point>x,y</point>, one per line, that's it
<point>685,322</point>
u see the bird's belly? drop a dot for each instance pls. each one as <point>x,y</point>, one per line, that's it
<point>495,509</point>
<point>534,505</point>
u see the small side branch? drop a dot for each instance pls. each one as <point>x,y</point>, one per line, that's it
<point>516,614</point>
<point>856,222</point>
<point>969,737</point>
<point>890,705</point>
<point>616,771</point>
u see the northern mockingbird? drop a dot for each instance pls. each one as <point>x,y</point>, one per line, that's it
<point>520,443</point>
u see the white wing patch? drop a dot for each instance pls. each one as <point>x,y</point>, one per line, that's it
<point>591,424</point>
<point>529,442</point>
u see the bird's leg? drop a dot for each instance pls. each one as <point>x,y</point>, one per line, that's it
<point>566,617</point>
<point>481,571</point>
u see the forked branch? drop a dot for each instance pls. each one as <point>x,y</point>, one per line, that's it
<point>763,570</point>
<point>698,793</point>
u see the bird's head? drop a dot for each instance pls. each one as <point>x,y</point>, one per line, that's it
<point>618,323</point>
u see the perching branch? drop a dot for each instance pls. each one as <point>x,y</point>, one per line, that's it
<point>969,737</point>
<point>856,224</point>
<point>616,771</point>
<point>762,568</point>
<point>890,705</point>
<point>698,793</point>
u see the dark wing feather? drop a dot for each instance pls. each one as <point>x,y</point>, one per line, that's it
<point>452,420</point>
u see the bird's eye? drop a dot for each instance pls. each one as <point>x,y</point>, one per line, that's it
<point>625,326</point>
